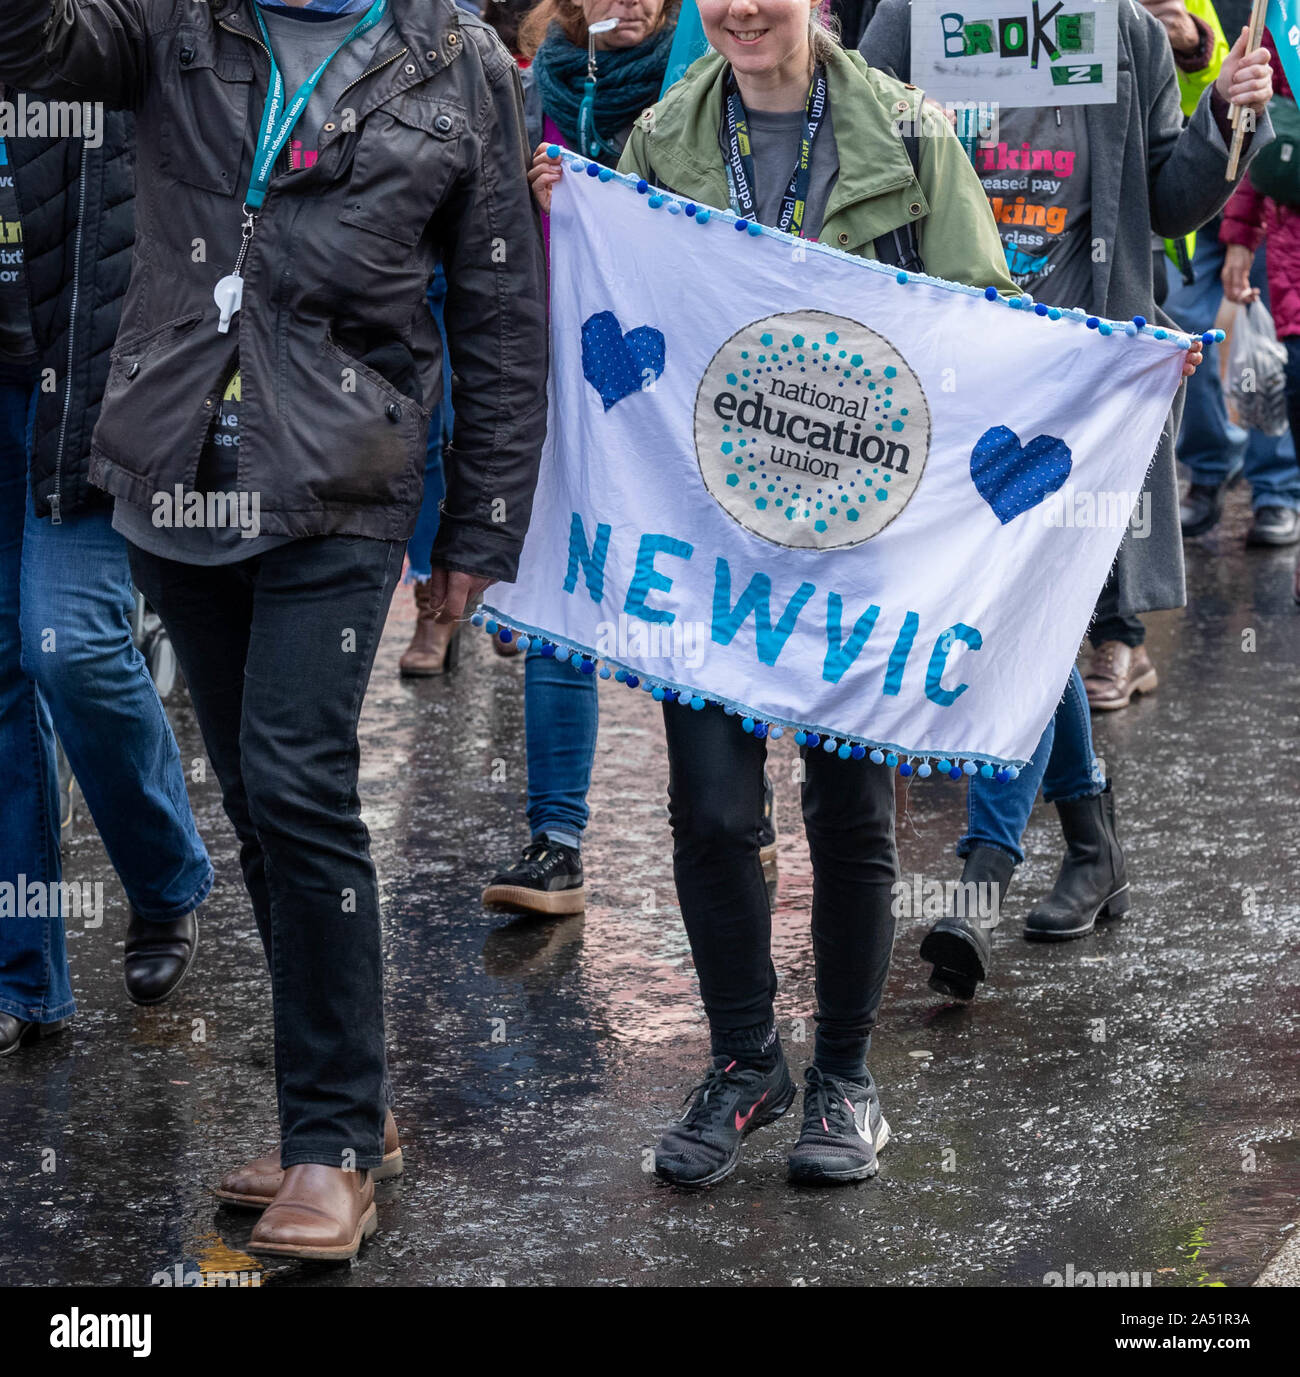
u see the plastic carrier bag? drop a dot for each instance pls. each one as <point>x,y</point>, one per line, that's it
<point>1256,371</point>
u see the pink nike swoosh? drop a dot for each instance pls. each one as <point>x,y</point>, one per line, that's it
<point>740,1123</point>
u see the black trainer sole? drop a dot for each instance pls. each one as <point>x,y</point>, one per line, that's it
<point>813,1174</point>
<point>769,1116</point>
<point>1113,906</point>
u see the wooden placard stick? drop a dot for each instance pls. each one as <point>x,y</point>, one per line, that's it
<point>1253,38</point>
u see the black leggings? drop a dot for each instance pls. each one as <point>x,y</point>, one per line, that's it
<point>715,801</point>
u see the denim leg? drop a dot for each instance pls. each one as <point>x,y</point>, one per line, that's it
<point>420,546</point>
<point>1073,770</point>
<point>997,814</point>
<point>561,711</point>
<point>34,981</point>
<point>1207,445</point>
<point>77,601</point>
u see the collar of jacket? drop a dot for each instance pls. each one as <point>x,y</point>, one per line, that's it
<point>430,29</point>
<point>876,187</point>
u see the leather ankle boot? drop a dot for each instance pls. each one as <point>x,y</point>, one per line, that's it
<point>254,1185</point>
<point>158,956</point>
<point>1093,881</point>
<point>319,1214</point>
<point>15,1031</point>
<point>434,645</point>
<point>961,946</point>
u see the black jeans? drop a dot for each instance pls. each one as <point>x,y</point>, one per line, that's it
<point>715,802</point>
<point>277,651</point>
<point>1107,623</point>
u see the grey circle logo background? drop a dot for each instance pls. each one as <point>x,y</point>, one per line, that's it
<point>811,430</point>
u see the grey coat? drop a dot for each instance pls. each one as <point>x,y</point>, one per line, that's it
<point>1149,173</point>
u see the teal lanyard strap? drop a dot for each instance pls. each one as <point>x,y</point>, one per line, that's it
<point>276,127</point>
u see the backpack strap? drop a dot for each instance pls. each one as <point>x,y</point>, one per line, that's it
<point>901,248</point>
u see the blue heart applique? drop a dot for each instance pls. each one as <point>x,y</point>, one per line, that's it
<point>1013,478</point>
<point>616,364</point>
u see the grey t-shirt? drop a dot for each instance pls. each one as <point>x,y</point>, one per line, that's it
<point>774,145</point>
<point>300,45</point>
<point>1037,177</point>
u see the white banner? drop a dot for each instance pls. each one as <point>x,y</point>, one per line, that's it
<point>778,478</point>
<point>1016,52</point>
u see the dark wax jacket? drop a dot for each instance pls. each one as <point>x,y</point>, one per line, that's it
<point>426,157</point>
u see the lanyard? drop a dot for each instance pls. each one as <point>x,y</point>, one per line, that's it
<point>271,139</point>
<point>740,161</point>
<point>276,126</point>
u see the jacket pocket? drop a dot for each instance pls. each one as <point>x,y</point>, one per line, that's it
<point>154,404</point>
<point>407,155</point>
<point>207,89</point>
<point>370,439</point>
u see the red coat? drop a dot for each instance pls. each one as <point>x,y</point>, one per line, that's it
<point>1250,218</point>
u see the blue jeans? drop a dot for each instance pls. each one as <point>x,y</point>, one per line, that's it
<point>1063,764</point>
<point>420,547</point>
<point>1209,445</point>
<point>560,719</point>
<point>67,661</point>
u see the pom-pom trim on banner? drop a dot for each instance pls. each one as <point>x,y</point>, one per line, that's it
<point>704,215</point>
<point>584,660</point>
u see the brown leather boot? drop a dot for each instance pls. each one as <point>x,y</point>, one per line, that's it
<point>1115,673</point>
<point>433,648</point>
<point>319,1214</point>
<point>255,1184</point>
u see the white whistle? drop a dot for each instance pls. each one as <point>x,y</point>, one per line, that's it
<point>229,296</point>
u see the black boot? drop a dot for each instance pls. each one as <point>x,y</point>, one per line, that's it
<point>1093,882</point>
<point>962,949</point>
<point>15,1031</point>
<point>158,955</point>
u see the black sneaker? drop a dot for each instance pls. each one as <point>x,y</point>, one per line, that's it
<point>1274,526</point>
<point>767,838</point>
<point>728,1105</point>
<point>843,1129</point>
<point>546,879</point>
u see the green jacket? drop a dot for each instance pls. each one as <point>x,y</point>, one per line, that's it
<point>674,145</point>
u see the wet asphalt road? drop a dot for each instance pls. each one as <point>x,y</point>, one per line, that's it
<point>535,1063</point>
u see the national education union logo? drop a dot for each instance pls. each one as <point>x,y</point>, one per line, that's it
<point>811,430</point>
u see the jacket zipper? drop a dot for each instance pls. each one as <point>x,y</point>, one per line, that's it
<point>387,62</point>
<point>56,497</point>
<point>240,33</point>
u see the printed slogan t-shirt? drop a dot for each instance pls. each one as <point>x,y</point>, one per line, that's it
<point>16,343</point>
<point>1037,177</point>
<point>302,40</point>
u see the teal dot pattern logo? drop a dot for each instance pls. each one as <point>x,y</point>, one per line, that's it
<point>811,430</point>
